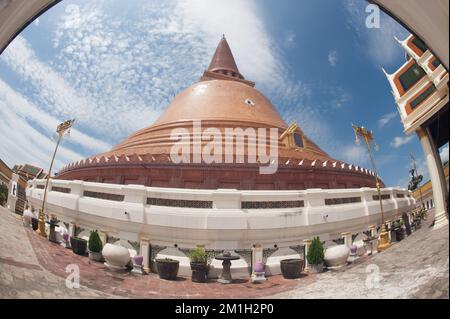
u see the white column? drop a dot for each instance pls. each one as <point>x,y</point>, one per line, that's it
<point>307,243</point>
<point>257,255</point>
<point>144,250</point>
<point>347,238</point>
<point>388,223</point>
<point>72,229</point>
<point>436,175</point>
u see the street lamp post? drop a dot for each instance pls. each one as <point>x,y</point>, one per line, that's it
<point>60,129</point>
<point>367,136</point>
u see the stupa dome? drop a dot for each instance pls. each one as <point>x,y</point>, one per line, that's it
<point>222,99</point>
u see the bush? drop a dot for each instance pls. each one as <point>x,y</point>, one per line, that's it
<point>198,255</point>
<point>315,253</point>
<point>95,243</point>
<point>3,194</point>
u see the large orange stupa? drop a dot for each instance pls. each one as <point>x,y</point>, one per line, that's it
<point>221,99</point>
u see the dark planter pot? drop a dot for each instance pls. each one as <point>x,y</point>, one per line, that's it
<point>79,245</point>
<point>393,235</point>
<point>399,234</point>
<point>199,272</point>
<point>291,268</point>
<point>167,269</point>
<point>34,223</point>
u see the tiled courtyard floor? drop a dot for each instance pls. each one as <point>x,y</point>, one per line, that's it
<point>33,267</point>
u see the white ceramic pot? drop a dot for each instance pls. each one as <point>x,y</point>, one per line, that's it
<point>336,256</point>
<point>117,257</point>
<point>27,216</point>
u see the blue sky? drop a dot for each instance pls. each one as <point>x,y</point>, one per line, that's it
<point>115,69</point>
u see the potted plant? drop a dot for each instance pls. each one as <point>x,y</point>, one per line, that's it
<point>167,268</point>
<point>315,256</point>
<point>34,223</point>
<point>95,247</point>
<point>399,231</point>
<point>79,245</point>
<point>199,264</point>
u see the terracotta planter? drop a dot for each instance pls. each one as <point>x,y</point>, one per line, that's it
<point>199,272</point>
<point>78,245</point>
<point>167,268</point>
<point>291,268</point>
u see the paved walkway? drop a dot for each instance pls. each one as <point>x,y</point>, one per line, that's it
<point>21,275</point>
<point>33,267</point>
<point>417,267</point>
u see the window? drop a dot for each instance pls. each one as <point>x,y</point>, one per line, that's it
<point>383,197</point>
<point>272,204</point>
<point>341,201</point>
<point>422,97</point>
<point>411,76</point>
<point>419,44</point>
<point>436,63</point>
<point>249,102</point>
<point>298,140</point>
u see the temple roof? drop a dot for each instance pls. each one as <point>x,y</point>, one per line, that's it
<point>223,58</point>
<point>223,66</point>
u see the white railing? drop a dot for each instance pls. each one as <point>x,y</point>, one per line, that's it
<point>220,198</point>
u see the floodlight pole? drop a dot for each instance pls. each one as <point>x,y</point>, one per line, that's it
<point>61,129</point>
<point>367,136</point>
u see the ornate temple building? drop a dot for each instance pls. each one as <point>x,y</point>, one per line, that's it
<point>221,99</point>
<point>139,195</point>
<point>420,89</point>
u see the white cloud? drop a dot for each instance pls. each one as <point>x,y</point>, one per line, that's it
<point>377,43</point>
<point>36,22</point>
<point>115,75</point>
<point>355,154</point>
<point>289,39</point>
<point>339,97</point>
<point>22,143</point>
<point>385,119</point>
<point>443,152</point>
<point>401,140</point>
<point>25,110</point>
<point>332,57</point>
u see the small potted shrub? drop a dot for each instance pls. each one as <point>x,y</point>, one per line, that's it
<point>79,245</point>
<point>199,264</point>
<point>95,247</point>
<point>167,268</point>
<point>315,256</point>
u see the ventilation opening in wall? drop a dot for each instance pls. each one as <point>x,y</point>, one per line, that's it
<point>249,102</point>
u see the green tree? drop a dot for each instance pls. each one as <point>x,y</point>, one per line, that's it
<point>315,253</point>
<point>95,243</point>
